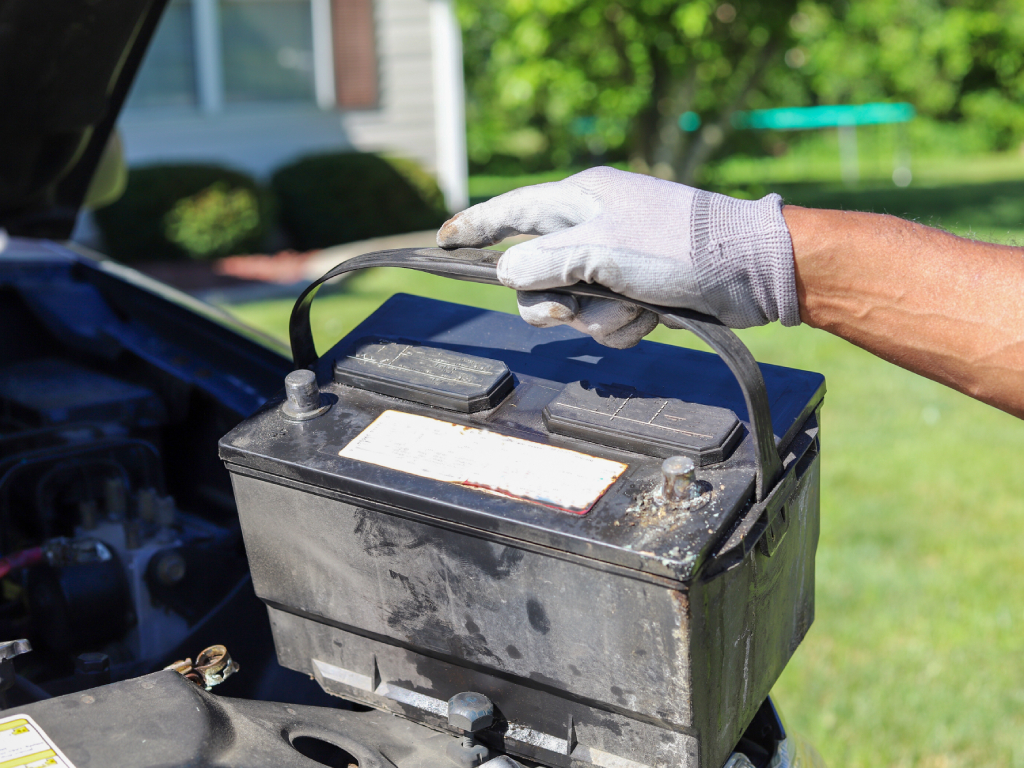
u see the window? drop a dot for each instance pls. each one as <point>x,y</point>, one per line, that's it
<point>267,50</point>
<point>167,77</point>
<point>212,54</point>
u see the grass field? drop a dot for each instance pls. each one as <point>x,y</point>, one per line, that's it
<point>916,657</point>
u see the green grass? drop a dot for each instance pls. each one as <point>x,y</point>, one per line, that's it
<point>991,211</point>
<point>916,657</point>
<point>823,167</point>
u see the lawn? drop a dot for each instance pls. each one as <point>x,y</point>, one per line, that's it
<point>916,657</point>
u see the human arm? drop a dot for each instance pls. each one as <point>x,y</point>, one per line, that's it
<point>942,306</point>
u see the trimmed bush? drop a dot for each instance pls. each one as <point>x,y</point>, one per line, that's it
<point>337,198</point>
<point>422,181</point>
<point>175,212</point>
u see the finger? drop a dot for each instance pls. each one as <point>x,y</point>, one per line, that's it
<point>630,334</point>
<point>536,210</point>
<point>544,310</point>
<point>613,323</point>
<point>553,261</point>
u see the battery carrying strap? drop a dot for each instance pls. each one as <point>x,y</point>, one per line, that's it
<point>480,266</point>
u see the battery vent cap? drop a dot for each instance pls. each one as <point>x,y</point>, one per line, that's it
<point>422,374</point>
<point>622,417</point>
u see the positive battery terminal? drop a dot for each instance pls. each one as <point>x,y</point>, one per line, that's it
<point>679,490</point>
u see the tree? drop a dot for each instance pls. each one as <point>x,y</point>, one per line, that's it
<point>960,61</point>
<point>568,81</point>
<point>565,78</point>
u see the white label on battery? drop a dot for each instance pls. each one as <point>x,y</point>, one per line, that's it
<point>23,744</point>
<point>507,466</point>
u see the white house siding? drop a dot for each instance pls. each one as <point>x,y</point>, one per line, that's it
<point>253,139</point>
<point>404,121</point>
<point>261,137</point>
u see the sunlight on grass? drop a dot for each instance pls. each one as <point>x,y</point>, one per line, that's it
<point>915,655</point>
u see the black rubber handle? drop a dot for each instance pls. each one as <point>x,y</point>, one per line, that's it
<point>480,266</point>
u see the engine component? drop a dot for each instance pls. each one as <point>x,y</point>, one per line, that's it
<point>471,713</point>
<point>22,559</point>
<point>113,392</point>
<point>92,669</point>
<point>212,667</point>
<point>9,649</point>
<point>176,723</point>
<point>409,548</point>
<point>80,597</point>
<point>53,391</point>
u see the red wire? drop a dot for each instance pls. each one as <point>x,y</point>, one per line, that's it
<point>22,559</point>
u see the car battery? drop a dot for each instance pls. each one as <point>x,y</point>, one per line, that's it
<point>615,546</point>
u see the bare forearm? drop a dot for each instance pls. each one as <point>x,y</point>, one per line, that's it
<point>942,306</point>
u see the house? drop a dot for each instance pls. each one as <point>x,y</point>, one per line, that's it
<point>256,83</point>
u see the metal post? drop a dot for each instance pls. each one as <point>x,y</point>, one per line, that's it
<point>323,54</point>
<point>449,105</point>
<point>209,62</point>
<point>901,173</point>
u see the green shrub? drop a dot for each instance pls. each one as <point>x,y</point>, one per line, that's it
<point>338,198</point>
<point>421,179</point>
<point>174,212</point>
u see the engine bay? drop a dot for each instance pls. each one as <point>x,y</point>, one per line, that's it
<point>118,528</point>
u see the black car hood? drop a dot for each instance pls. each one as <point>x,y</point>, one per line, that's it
<point>65,69</point>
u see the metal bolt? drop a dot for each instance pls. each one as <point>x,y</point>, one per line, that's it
<point>170,568</point>
<point>92,669</point>
<point>470,711</point>
<point>304,401</point>
<point>11,648</point>
<point>92,663</point>
<point>679,483</point>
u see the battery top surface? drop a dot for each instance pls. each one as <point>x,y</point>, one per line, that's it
<point>473,418</point>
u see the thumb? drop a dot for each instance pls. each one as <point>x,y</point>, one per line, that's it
<point>535,210</point>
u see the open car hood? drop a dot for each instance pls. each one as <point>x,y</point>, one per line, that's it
<point>65,70</point>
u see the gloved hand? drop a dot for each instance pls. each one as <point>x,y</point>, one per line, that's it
<point>645,238</point>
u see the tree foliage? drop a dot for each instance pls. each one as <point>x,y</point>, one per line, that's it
<point>564,78</point>
<point>955,60</point>
<point>556,82</point>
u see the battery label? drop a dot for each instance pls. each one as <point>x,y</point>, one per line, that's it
<point>23,744</point>
<point>507,466</point>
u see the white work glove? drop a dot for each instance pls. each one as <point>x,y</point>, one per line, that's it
<point>648,239</point>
